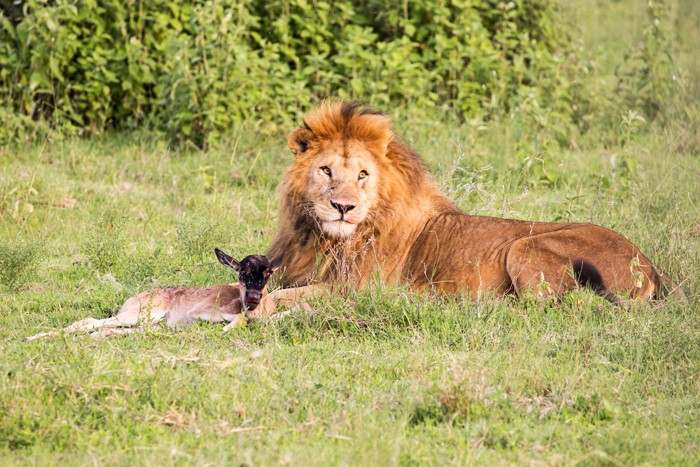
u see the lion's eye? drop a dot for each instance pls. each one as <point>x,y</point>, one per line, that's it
<point>363,174</point>
<point>326,171</point>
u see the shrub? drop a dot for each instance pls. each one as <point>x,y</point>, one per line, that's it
<point>645,77</point>
<point>193,69</point>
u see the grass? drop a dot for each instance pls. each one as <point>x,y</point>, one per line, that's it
<point>377,377</point>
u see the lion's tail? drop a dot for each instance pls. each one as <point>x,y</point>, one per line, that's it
<point>666,287</point>
<point>588,275</point>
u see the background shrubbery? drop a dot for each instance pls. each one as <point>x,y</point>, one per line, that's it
<point>193,69</point>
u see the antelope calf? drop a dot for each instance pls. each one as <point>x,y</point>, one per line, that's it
<point>184,305</point>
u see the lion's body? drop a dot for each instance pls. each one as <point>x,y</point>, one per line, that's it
<point>517,256</point>
<point>358,203</point>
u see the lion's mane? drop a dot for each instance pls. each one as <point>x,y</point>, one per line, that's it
<point>407,197</point>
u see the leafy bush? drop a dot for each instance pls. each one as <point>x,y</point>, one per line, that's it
<point>192,69</point>
<point>645,76</point>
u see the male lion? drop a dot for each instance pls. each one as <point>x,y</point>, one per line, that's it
<point>357,203</point>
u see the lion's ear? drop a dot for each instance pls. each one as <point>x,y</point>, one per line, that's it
<point>299,140</point>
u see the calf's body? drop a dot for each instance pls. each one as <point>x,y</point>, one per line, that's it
<point>185,305</point>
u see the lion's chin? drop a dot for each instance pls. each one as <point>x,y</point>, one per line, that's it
<point>338,228</point>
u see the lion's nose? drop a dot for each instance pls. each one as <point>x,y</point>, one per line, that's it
<point>343,208</point>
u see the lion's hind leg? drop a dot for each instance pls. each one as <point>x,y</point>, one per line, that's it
<point>537,265</point>
<point>666,287</point>
<point>543,272</point>
<point>538,271</point>
<point>587,275</point>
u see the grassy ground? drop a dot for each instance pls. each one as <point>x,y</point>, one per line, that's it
<point>380,377</point>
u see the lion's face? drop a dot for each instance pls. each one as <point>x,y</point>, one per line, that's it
<point>341,187</point>
<point>340,153</point>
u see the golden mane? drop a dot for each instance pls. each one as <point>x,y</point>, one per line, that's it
<point>405,177</point>
<point>336,120</point>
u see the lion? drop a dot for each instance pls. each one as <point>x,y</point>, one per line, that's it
<point>358,204</point>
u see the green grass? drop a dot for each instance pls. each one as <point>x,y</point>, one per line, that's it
<point>377,377</point>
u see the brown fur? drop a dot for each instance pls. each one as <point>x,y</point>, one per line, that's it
<point>175,305</point>
<point>185,305</point>
<point>413,234</point>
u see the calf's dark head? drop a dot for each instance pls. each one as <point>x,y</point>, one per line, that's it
<point>254,272</point>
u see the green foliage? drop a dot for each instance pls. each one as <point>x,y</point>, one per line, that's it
<point>193,69</point>
<point>646,75</point>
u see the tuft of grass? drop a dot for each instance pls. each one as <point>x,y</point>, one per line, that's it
<point>104,242</point>
<point>197,236</point>
<point>19,260</point>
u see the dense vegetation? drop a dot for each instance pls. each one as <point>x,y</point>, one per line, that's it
<point>192,70</point>
<point>377,377</point>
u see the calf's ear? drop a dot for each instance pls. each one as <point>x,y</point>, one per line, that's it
<point>276,263</point>
<point>227,260</point>
<point>299,140</point>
